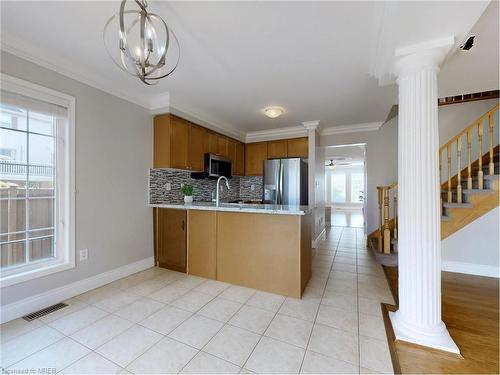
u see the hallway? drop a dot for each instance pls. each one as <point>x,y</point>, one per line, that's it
<point>347,217</point>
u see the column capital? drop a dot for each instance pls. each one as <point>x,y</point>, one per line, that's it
<point>311,125</point>
<point>426,55</point>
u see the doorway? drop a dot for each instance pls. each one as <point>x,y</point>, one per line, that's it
<point>345,185</point>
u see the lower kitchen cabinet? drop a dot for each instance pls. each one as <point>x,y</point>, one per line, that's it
<point>202,258</point>
<point>170,229</point>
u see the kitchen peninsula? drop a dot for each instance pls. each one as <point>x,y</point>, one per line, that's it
<point>267,247</point>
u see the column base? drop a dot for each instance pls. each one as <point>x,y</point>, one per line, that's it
<point>436,339</point>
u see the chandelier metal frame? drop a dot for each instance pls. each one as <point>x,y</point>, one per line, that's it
<point>144,69</point>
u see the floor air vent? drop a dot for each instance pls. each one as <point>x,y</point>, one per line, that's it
<point>43,312</point>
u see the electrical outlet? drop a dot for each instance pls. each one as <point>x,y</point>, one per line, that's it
<point>84,254</point>
<point>252,187</point>
<point>168,186</point>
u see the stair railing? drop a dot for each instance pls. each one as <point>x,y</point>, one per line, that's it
<point>452,151</point>
<point>387,217</point>
<point>473,137</point>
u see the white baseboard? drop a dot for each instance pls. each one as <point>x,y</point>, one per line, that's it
<point>470,268</point>
<point>320,237</point>
<point>37,302</point>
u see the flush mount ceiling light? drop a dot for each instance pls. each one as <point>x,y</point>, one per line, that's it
<point>273,111</point>
<point>141,43</point>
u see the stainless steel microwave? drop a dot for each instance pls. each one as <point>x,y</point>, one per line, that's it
<point>215,166</point>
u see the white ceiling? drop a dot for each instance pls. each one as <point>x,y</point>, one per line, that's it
<point>312,58</point>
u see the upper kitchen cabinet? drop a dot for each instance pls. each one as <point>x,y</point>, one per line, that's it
<point>222,146</point>
<point>277,149</point>
<point>161,144</point>
<point>196,148</point>
<point>298,147</point>
<point>179,135</point>
<point>236,153</point>
<point>231,152</point>
<point>255,154</point>
<point>211,143</point>
<point>239,164</point>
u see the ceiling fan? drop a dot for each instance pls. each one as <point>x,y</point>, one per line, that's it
<point>336,161</point>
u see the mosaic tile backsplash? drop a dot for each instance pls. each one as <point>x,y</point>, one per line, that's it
<point>241,187</point>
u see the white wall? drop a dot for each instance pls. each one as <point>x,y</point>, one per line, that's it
<point>475,248</point>
<point>113,154</point>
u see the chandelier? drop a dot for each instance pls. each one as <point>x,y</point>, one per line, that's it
<point>141,43</point>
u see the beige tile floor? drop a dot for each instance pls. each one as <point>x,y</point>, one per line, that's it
<point>159,321</point>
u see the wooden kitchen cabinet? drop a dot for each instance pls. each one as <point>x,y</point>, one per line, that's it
<point>202,260</point>
<point>211,143</point>
<point>277,149</point>
<point>181,144</point>
<point>239,164</point>
<point>161,144</point>
<point>222,146</point>
<point>231,152</point>
<point>298,147</point>
<point>255,154</point>
<point>170,227</point>
<point>179,134</point>
<point>196,149</point>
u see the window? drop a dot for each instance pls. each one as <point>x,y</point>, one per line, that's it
<point>36,181</point>
<point>338,187</point>
<point>357,187</point>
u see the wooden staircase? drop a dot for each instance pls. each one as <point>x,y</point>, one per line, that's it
<point>466,195</point>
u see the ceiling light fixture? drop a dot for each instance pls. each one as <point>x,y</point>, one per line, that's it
<point>273,111</point>
<point>141,43</point>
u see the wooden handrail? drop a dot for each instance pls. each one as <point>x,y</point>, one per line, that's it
<point>490,113</point>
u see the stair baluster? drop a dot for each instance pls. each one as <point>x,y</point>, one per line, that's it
<point>469,171</point>
<point>490,138</point>
<point>395,213</point>
<point>480,154</point>
<point>459,177</point>
<point>387,227</point>
<point>448,154</point>
<point>379,191</point>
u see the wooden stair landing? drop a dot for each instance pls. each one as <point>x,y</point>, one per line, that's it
<point>470,310</point>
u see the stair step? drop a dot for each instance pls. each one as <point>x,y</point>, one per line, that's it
<point>478,191</point>
<point>457,205</point>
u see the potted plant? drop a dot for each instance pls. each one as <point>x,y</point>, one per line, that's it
<point>187,190</point>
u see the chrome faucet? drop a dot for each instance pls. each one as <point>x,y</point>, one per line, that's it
<point>217,198</point>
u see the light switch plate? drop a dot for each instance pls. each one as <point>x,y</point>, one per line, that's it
<point>84,254</point>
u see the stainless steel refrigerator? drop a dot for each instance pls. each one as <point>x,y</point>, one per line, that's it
<point>285,181</point>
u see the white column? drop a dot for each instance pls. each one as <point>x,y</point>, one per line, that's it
<point>418,319</point>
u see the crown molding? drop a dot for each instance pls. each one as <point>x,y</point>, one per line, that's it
<point>159,101</point>
<point>217,126</point>
<point>354,128</point>
<point>33,54</point>
<point>311,125</point>
<point>273,134</point>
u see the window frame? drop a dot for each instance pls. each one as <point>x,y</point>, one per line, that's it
<point>65,182</point>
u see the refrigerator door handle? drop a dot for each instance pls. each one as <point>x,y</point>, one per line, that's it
<point>280,197</point>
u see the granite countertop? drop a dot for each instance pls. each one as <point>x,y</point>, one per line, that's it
<point>274,209</point>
